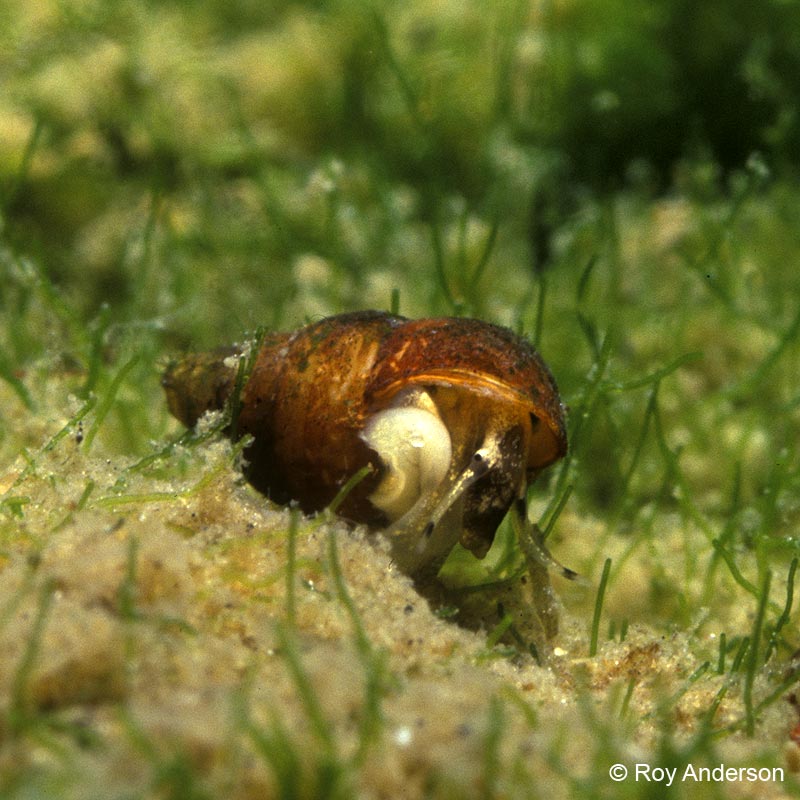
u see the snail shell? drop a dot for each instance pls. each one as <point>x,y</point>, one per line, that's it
<point>457,417</point>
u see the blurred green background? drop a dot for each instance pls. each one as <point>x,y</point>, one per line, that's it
<point>219,165</point>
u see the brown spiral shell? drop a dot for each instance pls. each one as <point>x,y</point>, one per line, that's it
<point>311,394</point>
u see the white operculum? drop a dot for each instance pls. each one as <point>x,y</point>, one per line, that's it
<point>414,446</point>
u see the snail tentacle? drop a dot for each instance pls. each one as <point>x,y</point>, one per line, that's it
<point>479,465</point>
<point>427,532</point>
<point>531,541</point>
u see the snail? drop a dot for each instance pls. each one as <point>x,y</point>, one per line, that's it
<point>455,416</point>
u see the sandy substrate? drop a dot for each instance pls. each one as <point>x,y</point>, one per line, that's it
<point>149,638</point>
